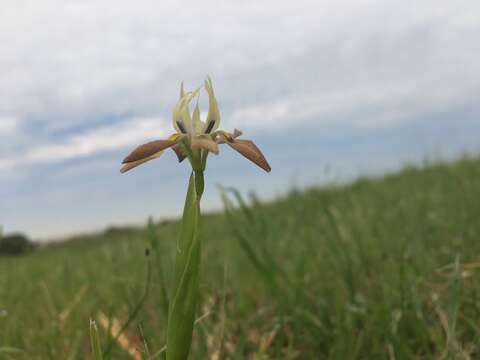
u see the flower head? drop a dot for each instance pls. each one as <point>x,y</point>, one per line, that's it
<point>194,138</point>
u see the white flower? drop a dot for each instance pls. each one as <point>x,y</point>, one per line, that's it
<point>195,138</point>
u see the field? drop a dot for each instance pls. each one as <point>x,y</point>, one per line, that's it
<point>383,268</point>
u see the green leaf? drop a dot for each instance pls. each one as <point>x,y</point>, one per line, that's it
<point>185,289</point>
<point>7,349</point>
<point>95,341</point>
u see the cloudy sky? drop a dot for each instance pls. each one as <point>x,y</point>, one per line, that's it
<point>327,89</point>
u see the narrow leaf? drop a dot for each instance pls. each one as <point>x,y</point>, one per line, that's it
<point>185,290</point>
<point>95,341</point>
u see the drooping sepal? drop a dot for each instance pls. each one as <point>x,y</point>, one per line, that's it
<point>179,152</point>
<point>249,150</point>
<point>144,153</point>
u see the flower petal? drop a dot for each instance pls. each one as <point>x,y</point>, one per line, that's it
<point>226,136</point>
<point>182,91</point>
<point>198,125</point>
<point>213,116</point>
<point>149,149</point>
<point>205,142</point>
<point>176,119</point>
<point>236,133</point>
<point>133,164</point>
<point>181,119</point>
<point>248,149</point>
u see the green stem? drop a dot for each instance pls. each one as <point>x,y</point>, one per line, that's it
<point>182,310</point>
<point>204,159</point>
<point>199,184</point>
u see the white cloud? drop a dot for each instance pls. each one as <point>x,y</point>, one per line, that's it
<point>81,78</point>
<point>105,138</point>
<point>361,106</point>
<point>77,59</point>
<point>8,125</point>
<point>274,64</point>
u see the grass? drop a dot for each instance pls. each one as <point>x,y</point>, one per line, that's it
<point>383,268</point>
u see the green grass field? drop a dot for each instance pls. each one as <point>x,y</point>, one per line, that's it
<point>384,268</point>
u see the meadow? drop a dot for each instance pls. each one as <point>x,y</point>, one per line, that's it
<point>382,268</point>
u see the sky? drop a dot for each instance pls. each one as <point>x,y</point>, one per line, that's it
<point>329,90</point>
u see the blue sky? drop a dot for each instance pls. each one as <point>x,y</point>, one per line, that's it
<point>351,86</point>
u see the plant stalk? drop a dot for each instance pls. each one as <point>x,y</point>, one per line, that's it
<point>182,310</point>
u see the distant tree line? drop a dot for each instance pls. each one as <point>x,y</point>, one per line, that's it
<point>15,244</point>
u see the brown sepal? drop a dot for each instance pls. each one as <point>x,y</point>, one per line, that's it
<point>146,150</point>
<point>248,149</point>
<point>179,152</point>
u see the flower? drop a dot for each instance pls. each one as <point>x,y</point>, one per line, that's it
<point>195,138</point>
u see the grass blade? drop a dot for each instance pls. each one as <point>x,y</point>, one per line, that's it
<point>153,240</point>
<point>95,341</point>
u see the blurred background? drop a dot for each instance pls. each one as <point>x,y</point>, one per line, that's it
<point>328,90</point>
